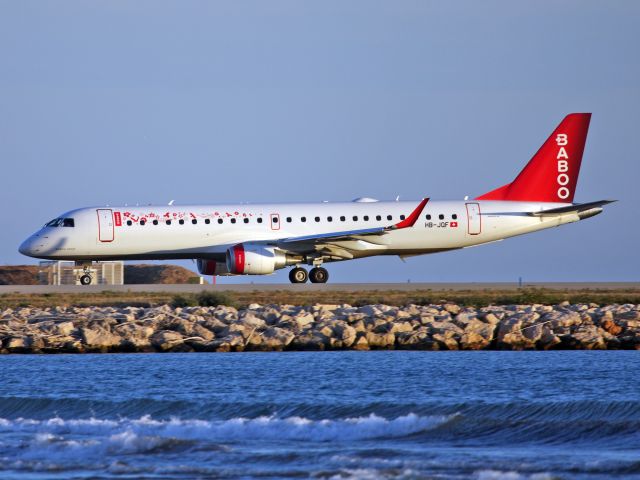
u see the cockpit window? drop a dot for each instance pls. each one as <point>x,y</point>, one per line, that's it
<point>61,222</point>
<point>54,223</point>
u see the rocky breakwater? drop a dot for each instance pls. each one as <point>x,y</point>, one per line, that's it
<point>319,327</point>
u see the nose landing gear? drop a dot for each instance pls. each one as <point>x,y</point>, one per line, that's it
<point>86,277</point>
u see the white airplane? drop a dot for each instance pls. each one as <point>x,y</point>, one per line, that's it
<point>259,239</point>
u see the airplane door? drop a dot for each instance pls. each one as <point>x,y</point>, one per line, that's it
<point>275,221</point>
<point>474,219</point>
<point>105,225</point>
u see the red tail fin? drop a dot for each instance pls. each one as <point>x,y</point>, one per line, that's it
<point>551,175</point>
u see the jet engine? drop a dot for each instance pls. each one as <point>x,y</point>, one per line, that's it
<point>211,267</point>
<point>256,259</point>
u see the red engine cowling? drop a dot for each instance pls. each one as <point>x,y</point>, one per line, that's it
<point>255,259</point>
<point>211,267</point>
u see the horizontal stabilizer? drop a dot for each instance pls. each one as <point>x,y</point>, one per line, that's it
<point>575,208</point>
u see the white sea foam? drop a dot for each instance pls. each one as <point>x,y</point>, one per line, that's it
<point>511,475</point>
<point>90,441</point>
<point>125,431</point>
<point>372,474</point>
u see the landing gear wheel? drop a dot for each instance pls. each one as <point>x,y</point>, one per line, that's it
<point>298,275</point>
<point>85,280</point>
<point>318,275</point>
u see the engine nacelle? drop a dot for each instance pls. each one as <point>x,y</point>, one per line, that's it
<point>256,259</point>
<point>211,267</point>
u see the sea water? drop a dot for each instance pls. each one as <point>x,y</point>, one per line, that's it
<point>392,414</point>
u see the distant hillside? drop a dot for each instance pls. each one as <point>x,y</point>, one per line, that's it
<point>19,274</point>
<point>133,274</point>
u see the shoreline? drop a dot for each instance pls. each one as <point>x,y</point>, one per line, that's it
<point>449,326</point>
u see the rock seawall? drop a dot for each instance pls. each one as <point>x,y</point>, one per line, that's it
<point>319,327</point>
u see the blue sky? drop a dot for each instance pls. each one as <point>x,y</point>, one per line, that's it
<point>203,102</point>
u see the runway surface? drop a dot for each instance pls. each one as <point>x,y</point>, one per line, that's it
<point>309,287</point>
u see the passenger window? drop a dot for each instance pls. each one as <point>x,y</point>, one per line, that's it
<point>389,217</point>
<point>329,219</point>
<point>378,217</point>
<point>220,220</point>
<point>401,217</point>
<point>194,221</point>
<point>303,219</point>
<point>259,219</point>
<point>129,222</point>
<point>168,222</point>
<point>454,216</point>
<point>68,222</point>
<point>288,219</point>
<point>343,218</point>
<point>428,216</point>
<point>155,222</point>
<point>207,221</point>
<point>142,222</point>
<point>181,222</point>
<point>355,218</point>
<point>233,220</point>
<point>317,219</point>
<point>441,217</point>
<point>366,218</point>
<point>246,220</point>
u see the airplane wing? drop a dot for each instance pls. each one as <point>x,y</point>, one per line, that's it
<point>342,243</point>
<point>575,208</point>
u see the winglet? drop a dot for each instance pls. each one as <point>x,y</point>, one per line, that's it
<point>412,218</point>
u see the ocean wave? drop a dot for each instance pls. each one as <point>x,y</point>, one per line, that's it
<point>569,422</point>
<point>148,434</point>
<point>66,407</point>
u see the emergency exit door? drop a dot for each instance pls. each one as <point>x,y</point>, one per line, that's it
<point>474,219</point>
<point>105,225</point>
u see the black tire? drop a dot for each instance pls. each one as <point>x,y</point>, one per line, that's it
<point>85,280</point>
<point>298,275</point>
<point>318,275</point>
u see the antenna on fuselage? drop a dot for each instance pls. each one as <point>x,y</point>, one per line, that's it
<point>466,197</point>
<point>397,198</point>
<point>171,202</point>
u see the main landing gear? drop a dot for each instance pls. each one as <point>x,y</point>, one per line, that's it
<point>315,275</point>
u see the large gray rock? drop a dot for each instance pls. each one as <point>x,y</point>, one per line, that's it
<point>166,340</point>
<point>310,340</point>
<point>98,338</point>
<point>275,338</point>
<point>380,340</point>
<point>303,320</point>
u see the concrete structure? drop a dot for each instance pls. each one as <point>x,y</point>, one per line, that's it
<point>67,273</point>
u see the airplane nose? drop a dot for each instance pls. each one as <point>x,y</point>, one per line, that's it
<point>27,247</point>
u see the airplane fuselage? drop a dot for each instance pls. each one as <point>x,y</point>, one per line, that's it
<point>208,231</point>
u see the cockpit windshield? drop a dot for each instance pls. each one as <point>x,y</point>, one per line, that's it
<point>61,222</point>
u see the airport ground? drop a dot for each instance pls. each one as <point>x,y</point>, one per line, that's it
<point>476,294</point>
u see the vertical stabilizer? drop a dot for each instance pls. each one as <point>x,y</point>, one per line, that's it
<point>552,174</point>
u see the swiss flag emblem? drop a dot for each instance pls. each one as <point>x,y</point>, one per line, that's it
<point>454,224</point>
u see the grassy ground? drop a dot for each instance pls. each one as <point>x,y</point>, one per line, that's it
<point>463,297</point>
